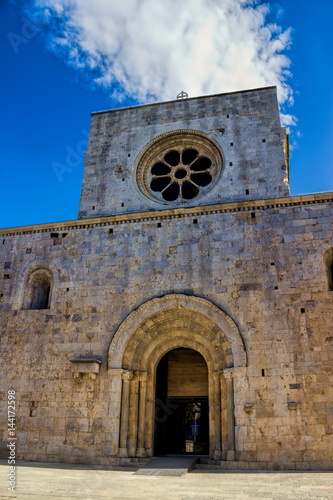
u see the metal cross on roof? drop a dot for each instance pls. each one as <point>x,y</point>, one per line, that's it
<point>182,95</point>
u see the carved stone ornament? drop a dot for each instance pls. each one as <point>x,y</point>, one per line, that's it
<point>85,367</point>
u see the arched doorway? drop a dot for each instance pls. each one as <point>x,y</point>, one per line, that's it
<point>162,325</point>
<point>181,404</point>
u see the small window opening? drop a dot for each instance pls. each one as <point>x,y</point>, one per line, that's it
<point>67,289</point>
<point>247,191</point>
<point>93,207</point>
<point>202,179</point>
<point>128,155</point>
<point>253,215</point>
<point>160,169</point>
<point>272,263</point>
<point>231,144</point>
<point>264,140</point>
<point>111,230</point>
<point>227,116</point>
<point>262,372</point>
<point>302,310</point>
<point>123,204</point>
<point>181,173</point>
<point>276,288</point>
<point>172,158</point>
<point>38,288</point>
<point>230,163</point>
<point>54,235</point>
<point>159,224</point>
<point>3,242</point>
<point>1,295</point>
<point>6,276</point>
<point>201,164</point>
<point>64,235</point>
<point>123,179</point>
<point>172,192</point>
<point>190,191</point>
<point>195,221</point>
<point>188,156</point>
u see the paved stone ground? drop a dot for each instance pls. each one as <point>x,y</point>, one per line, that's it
<point>72,482</point>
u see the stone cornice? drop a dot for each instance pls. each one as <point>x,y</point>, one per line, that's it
<point>238,206</point>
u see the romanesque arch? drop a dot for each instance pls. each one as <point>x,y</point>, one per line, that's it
<point>38,288</point>
<point>145,336</point>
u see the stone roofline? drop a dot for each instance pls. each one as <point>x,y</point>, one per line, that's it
<point>182,100</point>
<point>238,206</point>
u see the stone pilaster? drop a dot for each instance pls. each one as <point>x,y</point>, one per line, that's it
<point>115,407</point>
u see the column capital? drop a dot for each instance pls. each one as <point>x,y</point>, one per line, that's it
<point>127,375</point>
<point>227,373</point>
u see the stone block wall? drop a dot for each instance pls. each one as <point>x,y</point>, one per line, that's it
<point>245,126</point>
<point>261,262</point>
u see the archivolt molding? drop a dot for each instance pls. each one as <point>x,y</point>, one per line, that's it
<point>154,354</point>
<point>133,333</point>
<point>143,346</point>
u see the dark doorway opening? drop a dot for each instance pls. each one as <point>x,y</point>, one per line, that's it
<point>181,410</point>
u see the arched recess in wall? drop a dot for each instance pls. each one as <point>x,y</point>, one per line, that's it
<point>38,288</point>
<point>146,335</point>
<point>328,262</point>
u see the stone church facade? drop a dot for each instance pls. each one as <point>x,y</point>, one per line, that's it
<point>188,310</point>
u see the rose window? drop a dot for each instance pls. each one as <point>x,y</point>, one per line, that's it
<point>178,166</point>
<point>181,174</point>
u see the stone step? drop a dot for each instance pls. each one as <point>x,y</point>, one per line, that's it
<point>168,466</point>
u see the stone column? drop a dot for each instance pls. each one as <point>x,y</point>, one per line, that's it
<point>115,375</point>
<point>124,417</point>
<point>141,451</point>
<point>215,403</point>
<point>224,415</point>
<point>133,415</point>
<point>230,414</point>
<point>149,415</point>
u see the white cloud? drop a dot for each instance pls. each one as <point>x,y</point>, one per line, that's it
<point>288,120</point>
<point>153,49</point>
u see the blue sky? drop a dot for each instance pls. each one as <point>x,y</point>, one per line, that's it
<point>53,77</point>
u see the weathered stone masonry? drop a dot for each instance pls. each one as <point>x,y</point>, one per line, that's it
<point>243,279</point>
